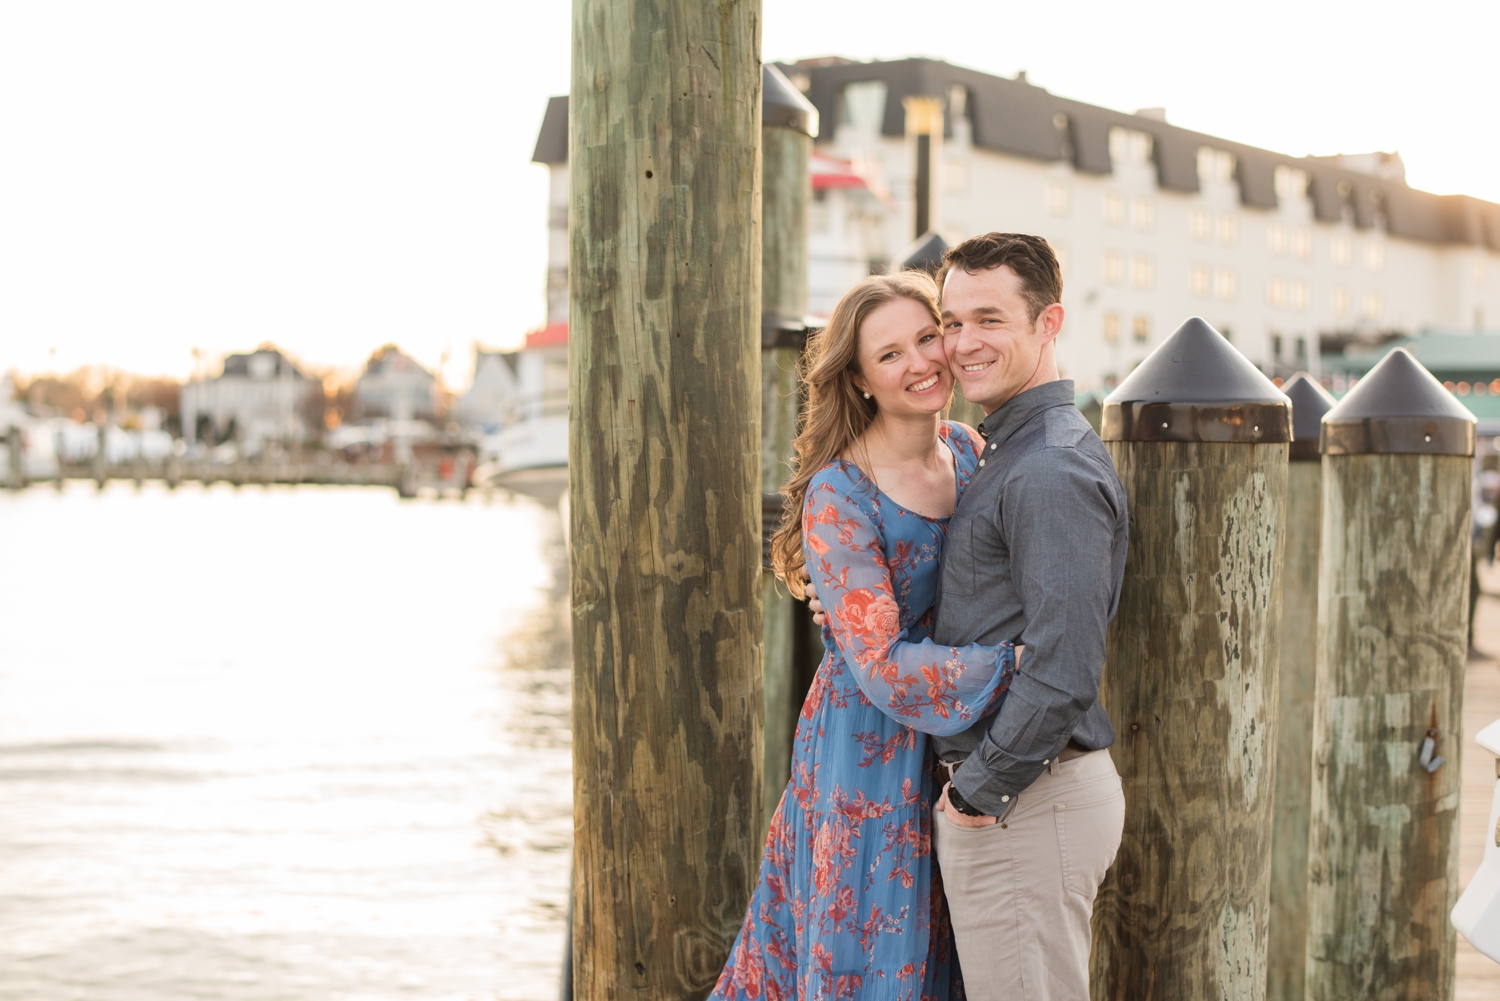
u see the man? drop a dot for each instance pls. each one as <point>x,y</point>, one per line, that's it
<point>1032,817</point>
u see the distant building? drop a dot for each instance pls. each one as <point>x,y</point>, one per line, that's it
<point>395,387</point>
<point>495,388</point>
<point>257,396</point>
<point>1467,363</point>
<point>847,224</point>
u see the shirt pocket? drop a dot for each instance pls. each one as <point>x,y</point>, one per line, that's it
<point>958,559</point>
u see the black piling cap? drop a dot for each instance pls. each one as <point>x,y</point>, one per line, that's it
<point>1310,402</point>
<point>1196,387</point>
<point>783,105</point>
<point>926,254</point>
<point>1398,408</point>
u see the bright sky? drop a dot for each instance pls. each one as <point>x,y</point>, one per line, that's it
<point>332,175</point>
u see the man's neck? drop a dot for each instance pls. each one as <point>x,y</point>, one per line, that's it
<point>1051,376</point>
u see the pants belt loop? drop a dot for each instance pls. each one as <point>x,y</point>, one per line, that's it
<point>1055,766</point>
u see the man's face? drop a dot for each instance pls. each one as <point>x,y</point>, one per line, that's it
<point>996,349</point>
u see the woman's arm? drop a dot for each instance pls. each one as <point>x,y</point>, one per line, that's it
<point>935,689</point>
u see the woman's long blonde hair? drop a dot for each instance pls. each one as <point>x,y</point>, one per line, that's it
<point>837,412</point>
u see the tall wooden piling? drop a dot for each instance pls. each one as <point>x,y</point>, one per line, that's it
<point>15,457</point>
<point>664,477</point>
<point>1294,714</point>
<point>1387,723</point>
<point>789,124</point>
<point>1198,436</point>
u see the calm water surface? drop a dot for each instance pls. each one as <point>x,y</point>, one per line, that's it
<point>297,743</point>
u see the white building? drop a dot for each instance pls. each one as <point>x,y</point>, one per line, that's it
<point>494,387</point>
<point>394,386</point>
<point>257,396</point>
<point>1154,223</point>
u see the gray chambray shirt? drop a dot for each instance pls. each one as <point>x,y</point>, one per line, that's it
<point>1035,554</point>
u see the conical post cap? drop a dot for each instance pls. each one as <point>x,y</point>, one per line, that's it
<point>1398,408</point>
<point>783,105</point>
<point>925,254</point>
<point>1310,402</point>
<point>1196,387</point>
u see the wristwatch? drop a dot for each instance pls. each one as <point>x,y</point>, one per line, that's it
<point>957,801</point>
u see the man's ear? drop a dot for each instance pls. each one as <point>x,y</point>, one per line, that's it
<point>1049,322</point>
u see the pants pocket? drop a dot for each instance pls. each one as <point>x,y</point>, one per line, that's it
<point>1088,835</point>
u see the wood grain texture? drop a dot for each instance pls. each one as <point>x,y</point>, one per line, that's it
<point>786,190</point>
<point>1393,623</point>
<point>1294,722</point>
<point>664,470</point>
<point>1190,684</point>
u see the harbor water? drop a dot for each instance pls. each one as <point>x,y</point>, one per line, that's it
<point>288,743</point>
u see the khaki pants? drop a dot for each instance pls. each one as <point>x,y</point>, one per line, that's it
<point>1021,892</point>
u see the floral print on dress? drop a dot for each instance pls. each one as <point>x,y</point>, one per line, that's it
<point>850,900</point>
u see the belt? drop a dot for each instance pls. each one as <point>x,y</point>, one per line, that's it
<point>1073,750</point>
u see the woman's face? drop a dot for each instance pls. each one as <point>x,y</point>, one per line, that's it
<point>901,360</point>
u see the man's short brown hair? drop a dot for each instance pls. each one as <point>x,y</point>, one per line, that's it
<point>1028,256</point>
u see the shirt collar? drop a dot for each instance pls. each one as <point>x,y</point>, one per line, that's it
<point>1019,409</point>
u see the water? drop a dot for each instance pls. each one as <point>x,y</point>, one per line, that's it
<point>297,743</point>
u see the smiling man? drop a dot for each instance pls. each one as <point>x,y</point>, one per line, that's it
<point>1035,554</point>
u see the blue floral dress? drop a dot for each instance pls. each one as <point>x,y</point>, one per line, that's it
<point>850,902</point>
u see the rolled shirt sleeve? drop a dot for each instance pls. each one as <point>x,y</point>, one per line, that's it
<point>1057,518</point>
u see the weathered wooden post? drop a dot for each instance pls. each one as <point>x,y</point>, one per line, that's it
<point>101,455</point>
<point>1294,713</point>
<point>664,477</point>
<point>789,124</point>
<point>15,458</point>
<point>1198,436</point>
<point>59,449</point>
<point>1387,721</point>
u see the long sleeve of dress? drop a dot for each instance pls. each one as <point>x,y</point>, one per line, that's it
<point>931,688</point>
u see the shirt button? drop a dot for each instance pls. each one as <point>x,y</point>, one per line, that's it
<point>981,462</point>
<point>1005,799</point>
<point>994,446</point>
<point>1046,761</point>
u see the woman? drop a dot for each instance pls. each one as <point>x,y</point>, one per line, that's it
<point>849,903</point>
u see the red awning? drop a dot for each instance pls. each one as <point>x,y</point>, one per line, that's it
<point>551,336</point>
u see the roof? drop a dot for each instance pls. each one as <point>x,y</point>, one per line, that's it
<point>552,141</point>
<point>828,172</point>
<point>1441,352</point>
<point>551,336</point>
<point>260,363</point>
<point>1015,117</point>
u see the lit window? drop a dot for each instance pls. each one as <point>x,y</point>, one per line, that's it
<point>1141,213</point>
<point>1112,327</point>
<point>1140,329</point>
<point>1129,146</point>
<point>1301,349</point>
<point>1199,280</point>
<point>1229,230</point>
<point>1215,166</point>
<point>1114,208</point>
<point>1302,244</point>
<point>1463,389</point>
<point>1291,183</point>
<point>1374,304</point>
<point>1341,301</point>
<point>1224,284</point>
<point>1276,292</point>
<point>955,175</point>
<point>1140,272</point>
<point>1299,296</point>
<point>1202,224</point>
<point>1342,249</point>
<point>1479,271</point>
<point>1374,255</point>
<point>1276,346</point>
<point>1057,198</point>
<point>1114,268</point>
<point>1276,239</point>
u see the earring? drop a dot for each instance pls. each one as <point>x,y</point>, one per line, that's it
<point>867,396</point>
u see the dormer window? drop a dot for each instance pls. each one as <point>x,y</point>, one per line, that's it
<point>1129,146</point>
<point>1215,166</point>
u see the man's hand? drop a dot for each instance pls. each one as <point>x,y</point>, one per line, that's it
<point>812,597</point>
<point>962,819</point>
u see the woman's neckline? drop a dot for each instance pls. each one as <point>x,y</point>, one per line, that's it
<point>947,443</point>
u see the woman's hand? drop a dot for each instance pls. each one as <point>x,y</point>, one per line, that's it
<point>812,597</point>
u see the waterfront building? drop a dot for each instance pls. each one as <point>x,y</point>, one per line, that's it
<point>395,387</point>
<point>257,395</point>
<point>494,386</point>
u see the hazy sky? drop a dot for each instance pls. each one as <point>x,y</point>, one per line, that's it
<point>335,175</point>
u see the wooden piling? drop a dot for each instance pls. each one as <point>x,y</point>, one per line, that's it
<point>1393,620</point>
<point>1198,436</point>
<point>101,457</point>
<point>1294,714</point>
<point>789,124</point>
<point>664,478</point>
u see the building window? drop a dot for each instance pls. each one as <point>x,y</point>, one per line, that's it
<point>1224,284</point>
<point>1114,268</point>
<point>1276,292</point>
<point>864,105</point>
<point>1301,350</point>
<point>1141,213</point>
<point>1114,208</point>
<point>1276,346</point>
<point>1374,255</point>
<point>1298,295</point>
<point>1341,301</point>
<point>1343,249</point>
<point>1202,225</point>
<point>955,175</point>
<point>1198,280</point>
<point>1276,238</point>
<point>1140,272</point>
<point>1291,184</point>
<point>1057,198</point>
<point>1140,329</point>
<point>1112,327</point>
<point>1479,271</point>
<point>1229,230</point>
<point>1374,304</point>
<point>1215,166</point>
<point>1129,146</point>
<point>1302,244</point>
